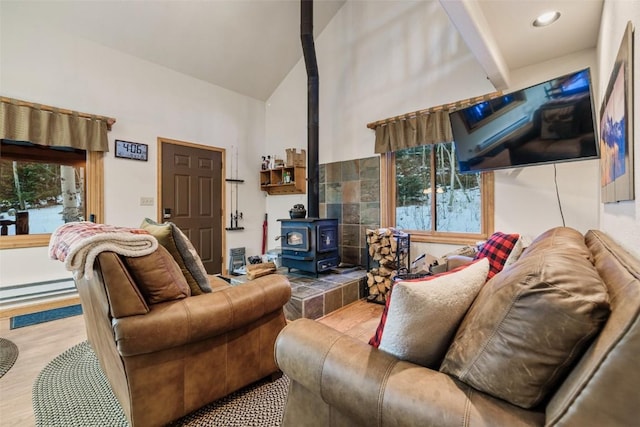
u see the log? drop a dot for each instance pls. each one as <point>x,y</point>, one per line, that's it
<point>258,270</point>
<point>384,271</point>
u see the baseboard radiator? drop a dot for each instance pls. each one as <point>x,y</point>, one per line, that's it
<point>34,293</point>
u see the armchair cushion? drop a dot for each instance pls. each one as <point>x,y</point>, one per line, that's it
<point>176,243</point>
<point>424,314</point>
<point>527,326</point>
<point>158,276</point>
<point>191,259</point>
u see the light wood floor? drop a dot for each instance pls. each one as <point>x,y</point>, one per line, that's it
<point>41,343</point>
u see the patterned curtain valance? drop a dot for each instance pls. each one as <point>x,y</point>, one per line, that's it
<point>51,126</point>
<point>430,126</point>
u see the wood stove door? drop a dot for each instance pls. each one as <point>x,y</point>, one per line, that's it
<point>327,238</point>
<point>295,239</point>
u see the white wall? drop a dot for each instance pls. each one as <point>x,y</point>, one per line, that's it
<point>621,220</point>
<point>148,101</point>
<point>381,59</point>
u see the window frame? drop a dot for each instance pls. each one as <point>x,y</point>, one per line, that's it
<point>94,200</point>
<point>388,207</point>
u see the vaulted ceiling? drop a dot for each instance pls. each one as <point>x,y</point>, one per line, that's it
<point>249,46</point>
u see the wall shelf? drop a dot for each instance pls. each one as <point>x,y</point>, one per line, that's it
<point>272,180</point>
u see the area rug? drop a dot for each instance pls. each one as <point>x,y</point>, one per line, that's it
<point>8,355</point>
<point>73,390</point>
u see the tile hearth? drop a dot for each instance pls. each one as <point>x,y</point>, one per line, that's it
<point>313,297</point>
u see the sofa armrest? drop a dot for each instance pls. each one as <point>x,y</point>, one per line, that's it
<point>455,261</point>
<point>371,387</point>
<point>175,323</point>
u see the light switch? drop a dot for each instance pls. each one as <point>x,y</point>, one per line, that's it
<point>146,201</point>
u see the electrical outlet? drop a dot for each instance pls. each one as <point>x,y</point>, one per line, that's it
<point>146,201</point>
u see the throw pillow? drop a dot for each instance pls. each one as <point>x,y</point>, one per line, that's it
<point>164,234</point>
<point>497,249</point>
<point>192,260</point>
<point>377,336</point>
<point>158,276</point>
<point>423,315</point>
<point>527,326</point>
<point>515,253</point>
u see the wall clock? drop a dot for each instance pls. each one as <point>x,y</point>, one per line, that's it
<point>131,150</point>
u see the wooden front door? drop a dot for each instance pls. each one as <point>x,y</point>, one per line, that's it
<point>191,196</point>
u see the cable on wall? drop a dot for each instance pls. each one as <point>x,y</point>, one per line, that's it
<point>555,179</point>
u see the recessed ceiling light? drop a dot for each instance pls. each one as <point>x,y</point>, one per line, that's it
<point>546,19</point>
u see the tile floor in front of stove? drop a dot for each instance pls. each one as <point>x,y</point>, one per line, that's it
<point>313,297</point>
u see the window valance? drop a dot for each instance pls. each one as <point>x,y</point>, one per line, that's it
<point>51,126</point>
<point>429,126</point>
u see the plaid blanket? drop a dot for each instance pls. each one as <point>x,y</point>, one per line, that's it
<point>77,244</point>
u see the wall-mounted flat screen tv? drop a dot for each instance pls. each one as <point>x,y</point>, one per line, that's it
<point>553,121</point>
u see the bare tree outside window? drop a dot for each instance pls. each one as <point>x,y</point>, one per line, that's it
<point>49,192</point>
<point>428,181</point>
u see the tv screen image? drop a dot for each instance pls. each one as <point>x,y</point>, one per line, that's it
<point>553,121</point>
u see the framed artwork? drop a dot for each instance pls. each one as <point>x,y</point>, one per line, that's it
<point>616,127</point>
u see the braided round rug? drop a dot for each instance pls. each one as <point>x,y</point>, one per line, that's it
<point>72,390</point>
<point>8,355</point>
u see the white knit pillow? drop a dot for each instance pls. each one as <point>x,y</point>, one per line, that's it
<point>423,315</point>
<point>515,253</point>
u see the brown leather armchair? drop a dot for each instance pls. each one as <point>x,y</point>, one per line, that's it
<point>168,359</point>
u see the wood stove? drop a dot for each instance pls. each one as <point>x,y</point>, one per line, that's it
<point>309,244</point>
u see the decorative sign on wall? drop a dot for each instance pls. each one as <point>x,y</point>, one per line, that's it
<point>131,150</point>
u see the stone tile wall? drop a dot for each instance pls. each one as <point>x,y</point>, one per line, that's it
<point>350,191</point>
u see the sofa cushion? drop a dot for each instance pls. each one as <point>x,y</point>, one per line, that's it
<point>559,239</point>
<point>528,324</point>
<point>423,315</point>
<point>165,235</point>
<point>497,249</point>
<point>158,276</point>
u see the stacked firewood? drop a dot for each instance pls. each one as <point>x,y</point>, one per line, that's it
<point>258,270</point>
<point>383,248</point>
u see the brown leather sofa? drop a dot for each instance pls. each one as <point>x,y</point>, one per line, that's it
<point>339,381</point>
<point>168,359</point>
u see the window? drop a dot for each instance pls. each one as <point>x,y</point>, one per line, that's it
<point>491,109</point>
<point>430,199</point>
<point>43,187</point>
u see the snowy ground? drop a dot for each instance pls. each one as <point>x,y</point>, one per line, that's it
<point>463,217</point>
<point>41,220</point>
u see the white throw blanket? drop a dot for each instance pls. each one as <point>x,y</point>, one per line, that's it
<point>77,244</point>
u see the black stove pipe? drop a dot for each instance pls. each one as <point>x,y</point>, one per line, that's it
<point>309,51</point>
